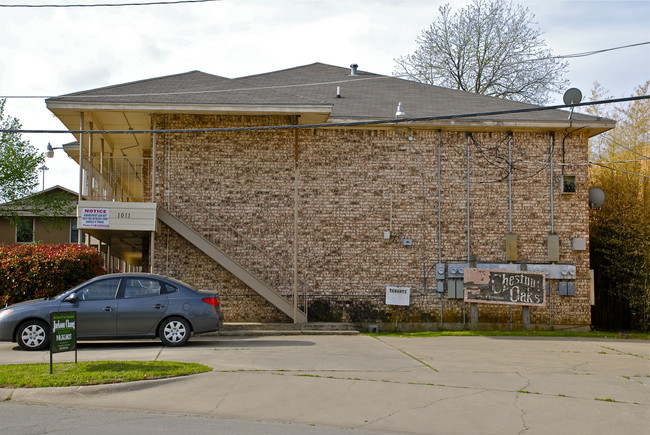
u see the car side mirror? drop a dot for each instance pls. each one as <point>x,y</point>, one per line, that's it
<point>71,298</point>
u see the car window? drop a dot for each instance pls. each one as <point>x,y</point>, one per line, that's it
<point>141,288</point>
<point>99,290</point>
<point>170,288</point>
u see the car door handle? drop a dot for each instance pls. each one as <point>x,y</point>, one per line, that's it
<point>158,306</point>
<point>109,308</point>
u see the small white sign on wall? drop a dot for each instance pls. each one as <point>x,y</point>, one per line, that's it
<point>95,218</point>
<point>398,295</point>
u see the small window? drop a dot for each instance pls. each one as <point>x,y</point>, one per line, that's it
<point>141,288</point>
<point>170,288</point>
<point>568,184</point>
<point>74,233</point>
<point>25,230</point>
<point>100,290</point>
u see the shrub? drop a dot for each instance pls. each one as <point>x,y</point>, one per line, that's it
<point>37,271</point>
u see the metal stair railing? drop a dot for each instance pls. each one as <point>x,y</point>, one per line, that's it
<point>275,274</point>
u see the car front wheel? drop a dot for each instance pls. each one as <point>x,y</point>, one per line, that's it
<point>174,331</point>
<point>33,335</point>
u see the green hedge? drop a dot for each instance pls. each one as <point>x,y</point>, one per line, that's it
<point>36,271</point>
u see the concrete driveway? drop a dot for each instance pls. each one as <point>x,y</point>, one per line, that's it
<point>445,385</point>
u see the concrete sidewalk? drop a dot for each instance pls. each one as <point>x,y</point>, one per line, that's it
<point>446,385</point>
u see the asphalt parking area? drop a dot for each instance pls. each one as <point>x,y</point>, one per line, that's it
<point>394,384</point>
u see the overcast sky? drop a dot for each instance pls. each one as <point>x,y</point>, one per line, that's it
<point>54,51</point>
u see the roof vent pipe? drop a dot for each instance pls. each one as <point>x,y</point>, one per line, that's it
<point>353,69</point>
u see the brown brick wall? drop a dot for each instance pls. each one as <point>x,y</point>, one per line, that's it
<point>347,182</point>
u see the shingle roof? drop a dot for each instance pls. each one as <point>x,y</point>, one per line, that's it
<point>363,96</point>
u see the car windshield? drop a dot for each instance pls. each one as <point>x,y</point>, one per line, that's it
<point>60,295</point>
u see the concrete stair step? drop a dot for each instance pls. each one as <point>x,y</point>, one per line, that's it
<point>253,328</point>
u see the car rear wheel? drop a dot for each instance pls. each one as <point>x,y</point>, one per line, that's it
<point>33,335</point>
<point>174,331</point>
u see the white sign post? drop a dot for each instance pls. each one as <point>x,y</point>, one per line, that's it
<point>398,295</point>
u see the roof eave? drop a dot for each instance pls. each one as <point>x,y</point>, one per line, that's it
<point>190,108</point>
<point>592,128</point>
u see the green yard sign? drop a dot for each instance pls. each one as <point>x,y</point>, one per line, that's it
<point>63,333</point>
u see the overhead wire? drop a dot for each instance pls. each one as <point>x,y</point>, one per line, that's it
<point>259,88</point>
<point>612,141</point>
<point>103,5</point>
<point>333,124</point>
<point>619,170</point>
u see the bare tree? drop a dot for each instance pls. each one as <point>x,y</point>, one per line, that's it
<point>490,47</point>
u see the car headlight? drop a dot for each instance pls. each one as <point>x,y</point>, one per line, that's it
<point>6,312</point>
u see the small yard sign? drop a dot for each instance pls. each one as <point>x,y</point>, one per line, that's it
<point>398,295</point>
<point>63,334</point>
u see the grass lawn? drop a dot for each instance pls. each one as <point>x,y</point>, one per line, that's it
<point>595,334</point>
<point>92,373</point>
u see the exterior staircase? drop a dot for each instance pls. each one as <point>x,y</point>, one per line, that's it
<point>236,253</point>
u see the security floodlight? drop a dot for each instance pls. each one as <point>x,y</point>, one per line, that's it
<point>50,151</point>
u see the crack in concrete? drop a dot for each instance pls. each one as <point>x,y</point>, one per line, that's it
<point>407,354</point>
<point>224,396</point>
<point>424,406</point>
<point>522,411</point>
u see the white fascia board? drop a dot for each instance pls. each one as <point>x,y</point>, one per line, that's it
<point>483,124</point>
<point>191,108</point>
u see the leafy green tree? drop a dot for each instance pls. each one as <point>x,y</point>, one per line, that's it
<point>19,162</point>
<point>620,229</point>
<point>490,47</point>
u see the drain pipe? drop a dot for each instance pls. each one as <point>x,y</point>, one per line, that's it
<point>439,221</point>
<point>439,203</point>
<point>510,182</point>
<point>469,135</point>
<point>552,146</point>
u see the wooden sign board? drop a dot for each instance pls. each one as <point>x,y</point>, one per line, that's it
<point>491,286</point>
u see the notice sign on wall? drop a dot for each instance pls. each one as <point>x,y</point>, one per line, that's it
<point>501,287</point>
<point>398,295</point>
<point>94,218</point>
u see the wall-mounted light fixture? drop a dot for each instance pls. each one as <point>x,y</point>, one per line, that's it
<point>50,151</point>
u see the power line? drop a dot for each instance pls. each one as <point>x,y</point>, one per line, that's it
<point>620,170</point>
<point>591,53</point>
<point>612,141</point>
<point>334,124</point>
<point>209,91</point>
<point>261,88</point>
<point>102,5</point>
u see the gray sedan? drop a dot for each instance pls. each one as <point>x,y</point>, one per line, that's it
<point>116,306</point>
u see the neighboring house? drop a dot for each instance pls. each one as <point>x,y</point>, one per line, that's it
<point>300,194</point>
<point>38,226</point>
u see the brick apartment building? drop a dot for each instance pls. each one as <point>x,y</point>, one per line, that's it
<point>312,193</point>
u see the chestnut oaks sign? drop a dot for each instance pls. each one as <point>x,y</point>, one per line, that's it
<point>505,287</point>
